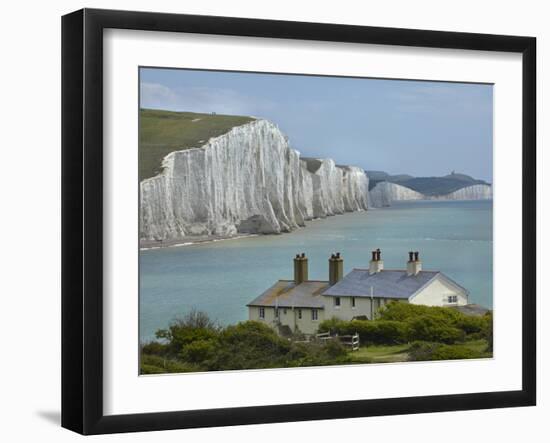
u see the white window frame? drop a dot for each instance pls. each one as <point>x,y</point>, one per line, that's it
<point>337,302</point>
<point>314,315</point>
<point>299,314</point>
<point>352,302</point>
<point>261,313</point>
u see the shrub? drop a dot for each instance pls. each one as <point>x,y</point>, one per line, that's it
<point>488,330</point>
<point>154,348</point>
<point>399,311</point>
<point>433,329</point>
<point>379,332</point>
<point>198,351</point>
<point>470,324</point>
<point>330,352</point>
<point>383,332</point>
<point>425,351</point>
<point>193,327</point>
<point>248,345</point>
<point>334,325</point>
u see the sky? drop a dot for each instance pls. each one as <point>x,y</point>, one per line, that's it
<point>419,128</point>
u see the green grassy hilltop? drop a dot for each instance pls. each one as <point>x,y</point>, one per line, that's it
<point>161,132</point>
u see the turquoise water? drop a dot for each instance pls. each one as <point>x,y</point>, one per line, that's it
<point>219,278</point>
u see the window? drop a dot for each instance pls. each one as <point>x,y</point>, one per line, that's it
<point>262,312</point>
<point>337,302</point>
<point>452,299</point>
<point>314,314</point>
<point>284,311</point>
<point>353,302</point>
<point>276,312</point>
<point>300,314</point>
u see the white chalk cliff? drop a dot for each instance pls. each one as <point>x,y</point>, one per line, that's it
<point>248,180</point>
<point>384,193</point>
<point>474,192</point>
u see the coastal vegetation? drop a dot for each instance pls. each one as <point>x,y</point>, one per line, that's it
<point>401,332</point>
<point>161,132</point>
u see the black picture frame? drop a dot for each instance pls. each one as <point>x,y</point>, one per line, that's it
<point>82,218</point>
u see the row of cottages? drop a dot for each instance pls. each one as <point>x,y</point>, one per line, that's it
<point>299,305</point>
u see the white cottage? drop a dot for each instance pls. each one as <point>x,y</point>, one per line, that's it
<point>301,304</point>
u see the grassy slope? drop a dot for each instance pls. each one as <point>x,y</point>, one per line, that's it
<point>161,132</point>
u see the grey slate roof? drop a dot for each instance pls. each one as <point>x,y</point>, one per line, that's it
<point>286,294</point>
<point>386,283</point>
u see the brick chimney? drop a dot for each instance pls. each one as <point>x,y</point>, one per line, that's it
<point>414,265</point>
<point>335,268</point>
<point>376,264</point>
<point>300,268</point>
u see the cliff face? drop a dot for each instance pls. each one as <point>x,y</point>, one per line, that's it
<point>246,181</point>
<point>474,192</point>
<point>385,192</point>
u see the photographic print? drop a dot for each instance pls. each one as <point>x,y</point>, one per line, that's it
<point>293,220</point>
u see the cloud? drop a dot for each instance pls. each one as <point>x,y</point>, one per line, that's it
<point>201,99</point>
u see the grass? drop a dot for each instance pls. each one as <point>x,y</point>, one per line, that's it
<point>153,364</point>
<point>477,346</point>
<point>380,354</point>
<point>162,132</point>
<point>399,353</point>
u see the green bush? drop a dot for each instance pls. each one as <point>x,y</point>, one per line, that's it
<point>334,325</point>
<point>434,329</point>
<point>198,351</point>
<point>470,324</point>
<point>488,330</point>
<point>380,332</point>
<point>154,348</point>
<point>425,351</point>
<point>195,326</point>
<point>399,311</point>
<point>330,352</point>
<point>248,345</point>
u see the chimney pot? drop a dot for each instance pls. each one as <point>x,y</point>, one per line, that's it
<point>414,265</point>
<point>376,264</point>
<point>335,269</point>
<point>300,269</point>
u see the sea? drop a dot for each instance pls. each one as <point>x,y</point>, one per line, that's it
<point>221,277</point>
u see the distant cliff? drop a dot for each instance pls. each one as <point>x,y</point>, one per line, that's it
<point>247,180</point>
<point>474,192</point>
<point>384,193</point>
